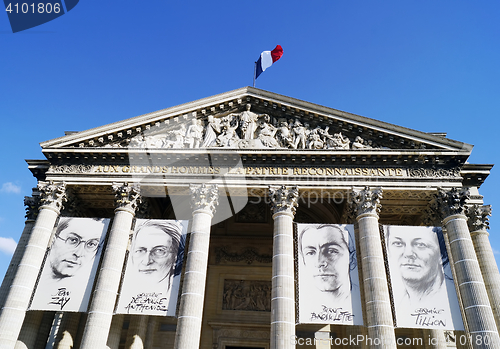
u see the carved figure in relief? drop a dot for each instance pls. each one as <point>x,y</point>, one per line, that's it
<point>212,130</point>
<point>137,142</point>
<point>194,134</point>
<point>359,143</point>
<point>267,132</point>
<point>300,133</point>
<point>248,123</point>
<point>228,136</point>
<point>314,140</point>
<point>175,138</point>
<point>285,135</point>
<point>338,141</point>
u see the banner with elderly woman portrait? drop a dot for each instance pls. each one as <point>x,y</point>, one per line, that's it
<point>328,287</point>
<point>152,275</point>
<point>70,265</point>
<point>422,284</point>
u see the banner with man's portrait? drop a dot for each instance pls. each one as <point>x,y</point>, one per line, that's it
<point>421,279</point>
<point>68,273</point>
<point>152,275</point>
<point>328,287</point>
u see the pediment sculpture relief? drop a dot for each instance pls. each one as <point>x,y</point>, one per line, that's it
<point>245,130</point>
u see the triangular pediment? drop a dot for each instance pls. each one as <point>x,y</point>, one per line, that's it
<point>253,119</point>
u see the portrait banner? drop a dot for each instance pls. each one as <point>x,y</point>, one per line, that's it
<point>152,275</point>
<point>328,282</point>
<point>68,274</point>
<point>422,283</point>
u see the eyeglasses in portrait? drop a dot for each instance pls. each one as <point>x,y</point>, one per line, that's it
<point>151,280</point>
<point>68,273</point>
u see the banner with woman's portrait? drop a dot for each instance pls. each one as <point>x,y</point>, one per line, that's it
<point>328,287</point>
<point>421,279</point>
<point>68,273</point>
<point>152,275</point>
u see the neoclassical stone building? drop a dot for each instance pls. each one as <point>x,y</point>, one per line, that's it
<point>243,167</point>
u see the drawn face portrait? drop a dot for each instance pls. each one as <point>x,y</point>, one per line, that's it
<point>152,253</point>
<point>75,245</point>
<point>417,255</point>
<point>326,257</point>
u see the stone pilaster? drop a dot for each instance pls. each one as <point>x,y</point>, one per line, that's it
<point>52,196</point>
<point>136,334</point>
<point>115,331</point>
<point>204,199</point>
<point>66,334</point>
<point>434,339</point>
<point>478,223</point>
<point>283,203</point>
<point>379,322</point>
<point>32,204</point>
<point>476,305</point>
<point>103,302</point>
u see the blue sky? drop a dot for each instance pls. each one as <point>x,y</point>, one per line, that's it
<point>427,65</point>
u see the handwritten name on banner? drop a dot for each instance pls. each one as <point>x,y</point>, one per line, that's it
<point>251,171</point>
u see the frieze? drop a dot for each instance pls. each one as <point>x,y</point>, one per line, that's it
<point>70,169</point>
<point>433,173</point>
<point>248,255</point>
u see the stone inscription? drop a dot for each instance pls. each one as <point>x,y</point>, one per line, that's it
<point>252,171</point>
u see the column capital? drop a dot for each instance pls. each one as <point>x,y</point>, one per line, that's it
<point>127,196</point>
<point>451,201</point>
<point>366,201</point>
<point>478,217</point>
<point>284,199</point>
<point>204,197</point>
<point>52,195</point>
<point>32,204</point>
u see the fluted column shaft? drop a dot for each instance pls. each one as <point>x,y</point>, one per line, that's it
<point>17,300</point>
<point>101,309</point>
<point>378,311</point>
<point>478,223</point>
<point>203,201</point>
<point>14,263</point>
<point>283,204</point>
<point>479,315</point>
<point>476,305</point>
<point>489,270</point>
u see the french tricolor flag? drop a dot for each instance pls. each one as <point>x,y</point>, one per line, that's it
<point>266,59</point>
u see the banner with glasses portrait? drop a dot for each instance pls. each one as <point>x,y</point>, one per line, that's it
<point>328,287</point>
<point>70,266</point>
<point>152,276</point>
<point>421,279</point>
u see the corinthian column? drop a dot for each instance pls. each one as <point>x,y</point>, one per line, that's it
<point>204,199</point>
<point>478,313</point>
<point>32,204</point>
<point>366,204</point>
<point>103,302</point>
<point>478,223</point>
<point>283,204</point>
<point>16,302</point>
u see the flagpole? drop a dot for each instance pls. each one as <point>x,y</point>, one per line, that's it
<point>254,72</point>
